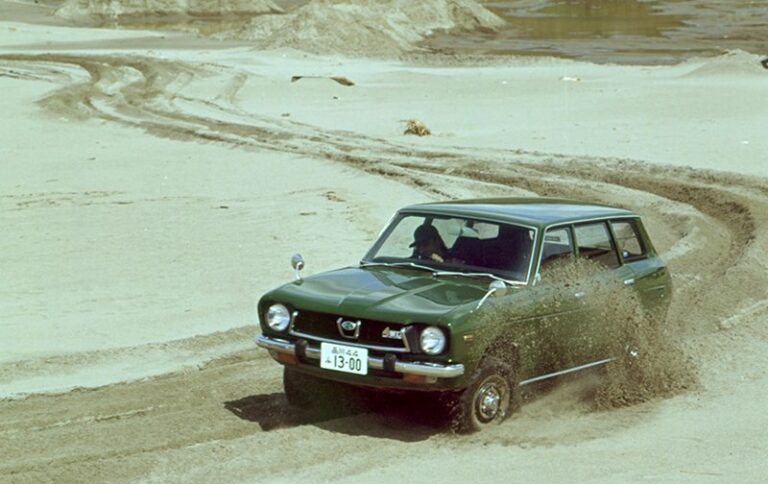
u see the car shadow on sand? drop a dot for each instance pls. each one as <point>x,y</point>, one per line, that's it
<point>406,418</point>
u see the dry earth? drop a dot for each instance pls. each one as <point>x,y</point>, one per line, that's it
<point>224,416</point>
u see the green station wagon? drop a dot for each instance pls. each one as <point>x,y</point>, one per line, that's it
<point>414,314</point>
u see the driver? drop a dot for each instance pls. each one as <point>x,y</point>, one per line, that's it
<point>427,244</point>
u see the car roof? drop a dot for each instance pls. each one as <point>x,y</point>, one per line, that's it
<point>539,212</point>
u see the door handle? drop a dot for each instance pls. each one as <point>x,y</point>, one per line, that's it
<point>629,282</point>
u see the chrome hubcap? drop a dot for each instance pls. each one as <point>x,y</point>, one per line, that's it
<point>489,401</point>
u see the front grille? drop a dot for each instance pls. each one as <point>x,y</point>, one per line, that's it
<point>324,326</point>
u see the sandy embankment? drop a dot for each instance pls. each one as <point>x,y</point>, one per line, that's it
<point>100,12</point>
<point>153,194</point>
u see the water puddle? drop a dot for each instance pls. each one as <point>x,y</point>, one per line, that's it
<point>620,31</point>
<point>574,19</point>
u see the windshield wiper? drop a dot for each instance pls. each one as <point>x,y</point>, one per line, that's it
<point>477,274</point>
<point>399,264</point>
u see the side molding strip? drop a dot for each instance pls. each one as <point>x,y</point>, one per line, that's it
<point>563,372</point>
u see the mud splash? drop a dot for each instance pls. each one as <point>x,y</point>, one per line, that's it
<point>648,361</point>
<point>610,322</point>
<point>652,363</point>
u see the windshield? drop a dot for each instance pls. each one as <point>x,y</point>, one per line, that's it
<point>456,244</point>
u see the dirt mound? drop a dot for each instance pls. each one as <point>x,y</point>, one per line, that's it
<point>366,27</point>
<point>130,10</point>
<point>736,62</point>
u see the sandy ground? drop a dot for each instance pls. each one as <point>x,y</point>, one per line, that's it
<point>149,194</point>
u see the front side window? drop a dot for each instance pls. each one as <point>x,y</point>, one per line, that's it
<point>456,244</point>
<point>594,242</point>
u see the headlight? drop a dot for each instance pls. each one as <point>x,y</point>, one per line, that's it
<point>432,340</point>
<point>278,317</point>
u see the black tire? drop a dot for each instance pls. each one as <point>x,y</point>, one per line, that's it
<point>490,398</point>
<point>300,389</point>
<point>318,395</point>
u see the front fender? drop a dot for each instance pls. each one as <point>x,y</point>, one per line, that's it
<point>499,328</point>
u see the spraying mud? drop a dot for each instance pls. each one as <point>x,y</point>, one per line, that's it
<point>608,323</point>
<point>648,360</point>
<point>651,364</point>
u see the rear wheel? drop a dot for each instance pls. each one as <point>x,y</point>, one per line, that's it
<point>490,397</point>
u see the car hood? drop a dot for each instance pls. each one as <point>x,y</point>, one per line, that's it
<point>384,293</point>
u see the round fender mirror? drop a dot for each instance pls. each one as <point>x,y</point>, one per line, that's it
<point>297,262</point>
<point>498,288</point>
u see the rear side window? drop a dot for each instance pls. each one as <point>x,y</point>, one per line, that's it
<point>628,239</point>
<point>594,242</point>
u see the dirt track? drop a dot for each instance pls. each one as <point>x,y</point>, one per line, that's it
<point>229,417</point>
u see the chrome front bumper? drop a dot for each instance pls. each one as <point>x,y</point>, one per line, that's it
<point>434,370</point>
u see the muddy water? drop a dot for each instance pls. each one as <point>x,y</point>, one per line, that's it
<point>620,31</point>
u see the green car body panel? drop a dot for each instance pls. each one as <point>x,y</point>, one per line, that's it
<point>538,317</point>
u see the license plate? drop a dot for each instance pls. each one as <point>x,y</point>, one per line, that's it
<point>348,359</point>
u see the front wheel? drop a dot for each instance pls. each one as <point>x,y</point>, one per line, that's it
<point>490,397</point>
<point>302,391</point>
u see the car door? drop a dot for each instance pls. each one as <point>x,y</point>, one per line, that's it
<point>648,273</point>
<point>558,343</point>
<point>604,282</point>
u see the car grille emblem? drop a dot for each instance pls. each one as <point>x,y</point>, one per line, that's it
<point>392,333</point>
<point>349,329</point>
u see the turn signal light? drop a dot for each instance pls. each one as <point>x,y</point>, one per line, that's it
<point>418,379</point>
<point>286,358</point>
